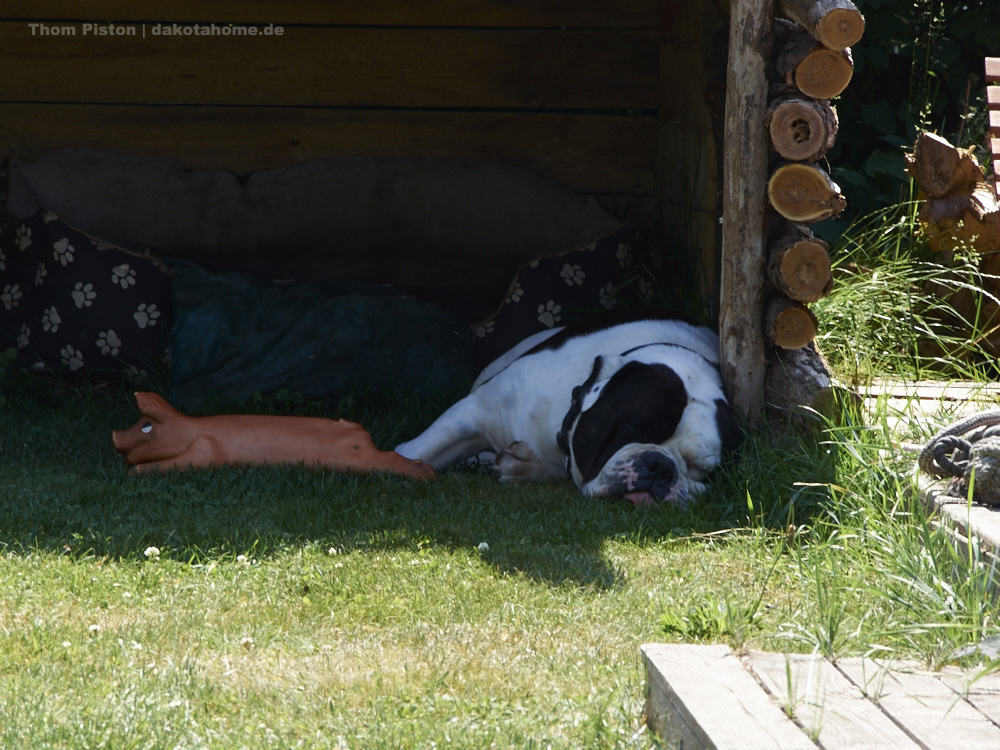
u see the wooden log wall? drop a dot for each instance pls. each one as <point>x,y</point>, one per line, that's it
<point>993,104</point>
<point>775,143</point>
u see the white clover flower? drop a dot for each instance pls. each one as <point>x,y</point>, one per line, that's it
<point>483,547</point>
<point>152,553</point>
<point>247,642</point>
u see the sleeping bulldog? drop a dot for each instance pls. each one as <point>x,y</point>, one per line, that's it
<point>632,409</point>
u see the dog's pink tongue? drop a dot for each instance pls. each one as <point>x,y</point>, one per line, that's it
<point>640,499</point>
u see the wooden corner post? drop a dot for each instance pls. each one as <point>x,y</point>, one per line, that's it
<point>744,206</point>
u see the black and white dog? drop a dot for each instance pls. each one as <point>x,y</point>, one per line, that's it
<point>634,409</point>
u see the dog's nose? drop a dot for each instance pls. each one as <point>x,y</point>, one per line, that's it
<point>656,473</point>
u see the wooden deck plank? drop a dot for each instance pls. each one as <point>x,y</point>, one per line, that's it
<point>981,692</point>
<point>828,706</point>
<point>932,390</point>
<point>929,710</point>
<point>976,520</point>
<point>701,696</point>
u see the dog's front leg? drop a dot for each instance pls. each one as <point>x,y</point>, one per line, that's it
<point>455,435</point>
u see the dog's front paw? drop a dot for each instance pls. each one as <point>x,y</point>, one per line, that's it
<point>518,463</point>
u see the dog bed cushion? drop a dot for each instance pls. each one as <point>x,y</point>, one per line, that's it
<point>76,306</point>
<point>617,271</point>
<point>236,336</point>
<point>429,226</point>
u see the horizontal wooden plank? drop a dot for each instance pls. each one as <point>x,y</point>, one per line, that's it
<point>348,67</point>
<point>979,521</point>
<point>701,696</point>
<point>994,122</point>
<point>993,69</point>
<point>935,390</point>
<point>555,13</point>
<point>993,96</point>
<point>826,704</point>
<point>589,153</point>
<point>923,705</point>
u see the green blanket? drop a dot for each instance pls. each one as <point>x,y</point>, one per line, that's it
<point>235,336</point>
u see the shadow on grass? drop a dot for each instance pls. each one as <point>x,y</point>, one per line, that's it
<point>63,488</point>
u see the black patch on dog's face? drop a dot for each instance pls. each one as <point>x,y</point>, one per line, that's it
<point>641,403</point>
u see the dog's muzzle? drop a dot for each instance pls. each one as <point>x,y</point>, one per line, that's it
<point>645,477</point>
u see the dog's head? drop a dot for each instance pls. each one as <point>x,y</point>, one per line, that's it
<point>647,431</point>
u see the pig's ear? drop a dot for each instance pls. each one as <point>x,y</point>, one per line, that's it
<point>153,406</point>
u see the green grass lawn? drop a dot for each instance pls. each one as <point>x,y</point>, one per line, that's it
<point>278,607</point>
<point>287,608</point>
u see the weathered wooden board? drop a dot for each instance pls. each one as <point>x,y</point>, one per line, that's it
<point>932,390</point>
<point>969,520</point>
<point>830,708</point>
<point>706,697</point>
<point>554,13</point>
<point>701,696</point>
<point>919,701</point>
<point>982,691</point>
<point>589,153</point>
<point>335,66</point>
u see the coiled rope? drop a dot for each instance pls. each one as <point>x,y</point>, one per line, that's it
<point>969,451</point>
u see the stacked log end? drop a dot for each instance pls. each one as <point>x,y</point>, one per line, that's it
<point>812,64</point>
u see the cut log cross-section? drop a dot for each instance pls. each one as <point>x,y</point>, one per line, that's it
<point>800,62</point>
<point>799,264</point>
<point>801,129</point>
<point>804,193</point>
<point>993,103</point>
<point>789,324</point>
<point>835,23</point>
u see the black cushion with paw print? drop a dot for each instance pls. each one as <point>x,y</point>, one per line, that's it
<point>615,272</point>
<point>72,305</point>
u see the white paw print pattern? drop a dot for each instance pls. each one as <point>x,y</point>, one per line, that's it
<point>484,330</point>
<point>25,338</point>
<point>123,276</point>
<point>609,296</point>
<point>23,237</point>
<point>133,373</point>
<point>40,273</point>
<point>549,314</point>
<point>624,255</point>
<point>63,251</point>
<point>109,343</point>
<point>51,320</point>
<point>645,289</point>
<point>516,293</point>
<point>146,316</point>
<point>11,296</point>
<point>572,274</point>
<point>71,358</point>
<point>83,295</point>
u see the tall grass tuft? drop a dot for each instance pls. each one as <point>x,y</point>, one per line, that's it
<point>889,313</point>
